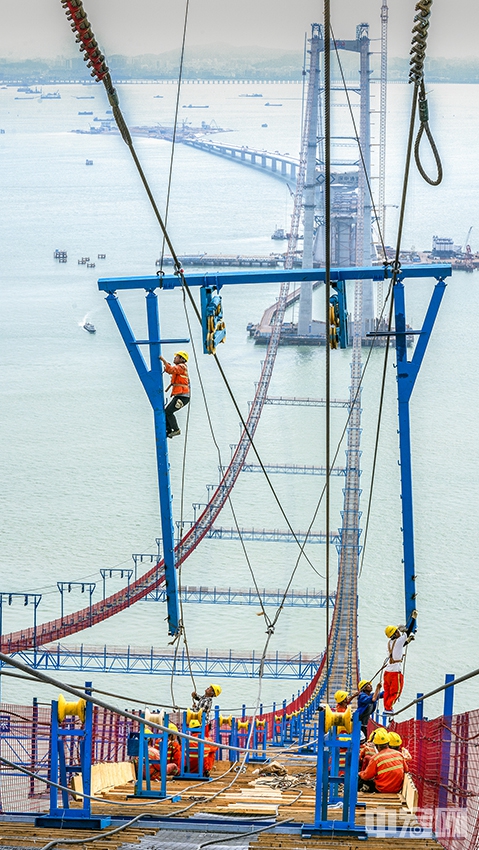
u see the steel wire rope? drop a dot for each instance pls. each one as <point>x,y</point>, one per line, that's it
<point>246,750</point>
<point>82,694</point>
<point>360,148</point>
<point>327,292</point>
<point>250,438</point>
<point>334,459</point>
<point>182,631</point>
<point>381,237</point>
<point>175,126</point>
<point>81,24</point>
<point>216,444</point>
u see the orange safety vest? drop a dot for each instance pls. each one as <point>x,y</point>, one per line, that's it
<point>180,384</point>
<point>387,768</point>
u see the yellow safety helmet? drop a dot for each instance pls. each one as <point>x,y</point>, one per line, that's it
<point>340,696</point>
<point>195,724</point>
<point>216,689</point>
<point>381,737</point>
<point>395,740</point>
<point>173,727</point>
<point>390,630</point>
<point>362,683</point>
<point>183,354</point>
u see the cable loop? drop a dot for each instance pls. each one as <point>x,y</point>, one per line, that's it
<point>424,128</point>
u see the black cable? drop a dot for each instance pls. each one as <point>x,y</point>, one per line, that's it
<point>175,126</point>
<point>327,288</point>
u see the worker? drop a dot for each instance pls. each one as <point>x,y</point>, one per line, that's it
<point>395,743</point>
<point>366,750</point>
<point>204,703</point>
<point>180,390</point>
<point>342,699</point>
<point>398,638</point>
<point>192,765</point>
<point>173,753</point>
<point>367,702</point>
<point>385,771</point>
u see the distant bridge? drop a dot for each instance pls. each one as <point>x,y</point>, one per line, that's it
<point>281,165</point>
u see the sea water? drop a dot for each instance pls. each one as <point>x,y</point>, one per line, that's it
<point>79,491</point>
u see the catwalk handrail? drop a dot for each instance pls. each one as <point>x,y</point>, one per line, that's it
<point>439,690</point>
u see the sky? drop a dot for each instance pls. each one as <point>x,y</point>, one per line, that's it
<point>39,29</point>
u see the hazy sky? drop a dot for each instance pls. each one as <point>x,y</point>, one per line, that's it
<point>38,28</point>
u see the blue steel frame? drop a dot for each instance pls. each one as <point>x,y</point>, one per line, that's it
<point>328,777</point>
<point>61,817</point>
<point>407,372</point>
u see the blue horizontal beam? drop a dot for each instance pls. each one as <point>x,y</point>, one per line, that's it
<point>163,662</point>
<point>248,596</point>
<point>151,282</point>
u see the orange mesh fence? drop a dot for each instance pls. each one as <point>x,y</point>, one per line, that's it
<point>445,768</point>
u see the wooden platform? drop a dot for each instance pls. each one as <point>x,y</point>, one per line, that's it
<point>236,796</point>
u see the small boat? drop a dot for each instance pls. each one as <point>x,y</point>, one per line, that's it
<point>264,125</point>
<point>273,104</point>
<point>89,327</point>
<point>250,95</point>
<point>88,162</point>
<point>194,106</point>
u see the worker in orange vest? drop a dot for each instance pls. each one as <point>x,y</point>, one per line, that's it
<point>385,771</point>
<point>209,751</point>
<point>173,753</point>
<point>180,390</point>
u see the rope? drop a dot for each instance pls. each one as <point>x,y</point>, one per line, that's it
<point>416,76</point>
<point>215,442</point>
<point>327,294</point>
<point>424,128</point>
<point>175,126</point>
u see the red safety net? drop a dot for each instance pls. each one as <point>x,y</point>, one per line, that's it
<point>25,741</point>
<point>445,767</point>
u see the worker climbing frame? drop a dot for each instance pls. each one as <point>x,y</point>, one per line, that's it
<point>151,379</point>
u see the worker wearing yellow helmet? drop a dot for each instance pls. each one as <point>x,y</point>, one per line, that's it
<point>342,699</point>
<point>180,390</point>
<point>385,771</point>
<point>173,752</point>
<point>398,638</point>
<point>205,702</point>
<point>395,743</point>
<point>367,701</point>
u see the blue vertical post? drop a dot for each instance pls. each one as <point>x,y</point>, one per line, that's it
<point>446,742</point>
<point>419,707</point>
<point>407,372</point>
<point>157,400</point>
<point>153,385</point>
